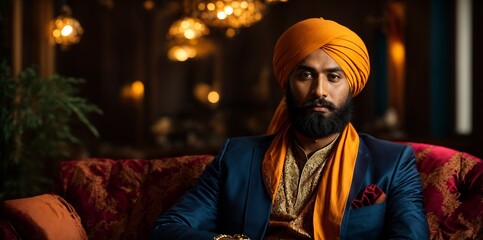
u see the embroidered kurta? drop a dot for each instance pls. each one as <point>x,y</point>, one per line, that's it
<point>291,215</point>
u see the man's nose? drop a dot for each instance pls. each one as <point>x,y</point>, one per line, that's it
<point>320,86</point>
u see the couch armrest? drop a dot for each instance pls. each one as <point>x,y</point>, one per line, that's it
<point>46,216</point>
<point>452,191</point>
<point>7,231</point>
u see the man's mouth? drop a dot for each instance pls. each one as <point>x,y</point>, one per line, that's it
<point>319,105</point>
<point>319,108</point>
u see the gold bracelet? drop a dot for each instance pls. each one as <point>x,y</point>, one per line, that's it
<point>221,236</point>
<point>241,237</point>
<point>236,236</point>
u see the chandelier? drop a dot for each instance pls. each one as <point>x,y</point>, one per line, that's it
<point>184,35</point>
<point>187,28</point>
<point>65,29</point>
<point>181,52</point>
<point>230,13</point>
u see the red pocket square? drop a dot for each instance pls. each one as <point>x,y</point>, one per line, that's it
<point>371,195</point>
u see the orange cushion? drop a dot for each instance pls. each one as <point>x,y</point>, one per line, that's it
<point>44,216</point>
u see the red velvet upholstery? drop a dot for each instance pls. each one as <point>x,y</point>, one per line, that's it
<point>453,191</point>
<point>7,231</point>
<point>121,199</point>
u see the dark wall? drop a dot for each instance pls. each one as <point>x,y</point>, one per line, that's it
<point>477,147</point>
<point>126,43</point>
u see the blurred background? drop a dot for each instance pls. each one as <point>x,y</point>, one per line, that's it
<point>176,77</point>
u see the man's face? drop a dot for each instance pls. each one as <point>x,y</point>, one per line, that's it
<point>318,97</point>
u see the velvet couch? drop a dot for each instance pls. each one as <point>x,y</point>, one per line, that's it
<point>120,199</point>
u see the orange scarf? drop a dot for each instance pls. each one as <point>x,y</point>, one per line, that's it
<point>334,185</point>
<point>350,53</point>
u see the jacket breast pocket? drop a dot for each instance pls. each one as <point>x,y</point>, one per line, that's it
<point>366,222</point>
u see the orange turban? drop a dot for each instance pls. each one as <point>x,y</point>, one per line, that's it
<point>350,53</point>
<point>339,42</point>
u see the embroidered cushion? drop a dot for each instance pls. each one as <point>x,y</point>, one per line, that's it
<point>120,199</point>
<point>453,193</point>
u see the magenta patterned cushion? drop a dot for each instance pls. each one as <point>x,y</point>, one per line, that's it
<point>453,191</point>
<point>120,199</point>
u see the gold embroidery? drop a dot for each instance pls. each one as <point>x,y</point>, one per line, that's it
<point>295,197</point>
<point>422,154</point>
<point>472,230</point>
<point>434,228</point>
<point>439,178</point>
<point>98,195</point>
<point>268,182</point>
<point>446,179</point>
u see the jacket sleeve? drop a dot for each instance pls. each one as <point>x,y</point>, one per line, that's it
<point>194,216</point>
<point>406,215</point>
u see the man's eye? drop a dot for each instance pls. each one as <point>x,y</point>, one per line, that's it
<point>306,75</point>
<point>334,77</point>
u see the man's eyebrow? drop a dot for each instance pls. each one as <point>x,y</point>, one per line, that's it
<point>333,69</point>
<point>304,67</point>
<point>327,70</point>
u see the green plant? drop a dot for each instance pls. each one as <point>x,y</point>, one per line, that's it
<point>36,116</point>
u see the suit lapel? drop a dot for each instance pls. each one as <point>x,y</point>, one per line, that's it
<point>360,170</point>
<point>259,204</point>
<point>362,163</point>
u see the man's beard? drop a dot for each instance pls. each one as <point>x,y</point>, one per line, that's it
<point>315,124</point>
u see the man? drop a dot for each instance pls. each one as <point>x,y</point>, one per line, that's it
<point>314,176</point>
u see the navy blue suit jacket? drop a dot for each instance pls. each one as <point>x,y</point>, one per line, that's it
<point>230,196</point>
